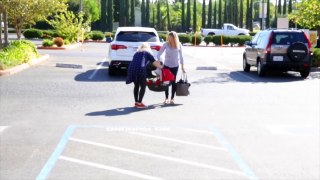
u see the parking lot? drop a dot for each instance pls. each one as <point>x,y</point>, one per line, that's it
<point>79,123</point>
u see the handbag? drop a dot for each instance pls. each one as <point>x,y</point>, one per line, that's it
<point>167,75</point>
<point>183,86</point>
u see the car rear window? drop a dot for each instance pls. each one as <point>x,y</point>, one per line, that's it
<point>134,36</point>
<point>288,38</point>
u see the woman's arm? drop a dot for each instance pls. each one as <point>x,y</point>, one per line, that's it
<point>181,59</point>
<point>163,47</point>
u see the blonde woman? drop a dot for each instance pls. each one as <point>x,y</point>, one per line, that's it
<point>137,72</point>
<point>173,56</point>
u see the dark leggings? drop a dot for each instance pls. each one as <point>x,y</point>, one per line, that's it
<point>174,71</point>
<point>139,90</point>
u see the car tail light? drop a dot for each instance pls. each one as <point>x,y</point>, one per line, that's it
<point>268,49</point>
<point>309,43</point>
<point>116,47</point>
<point>157,48</point>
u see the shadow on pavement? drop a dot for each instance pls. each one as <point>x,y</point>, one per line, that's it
<point>128,110</point>
<point>252,77</point>
<point>100,75</point>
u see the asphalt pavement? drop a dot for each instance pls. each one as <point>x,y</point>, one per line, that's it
<point>65,118</point>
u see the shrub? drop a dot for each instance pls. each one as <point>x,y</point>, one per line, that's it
<point>208,39</point>
<point>184,38</point>
<point>316,57</point>
<point>97,35</point>
<point>16,53</point>
<point>32,33</point>
<point>66,41</point>
<point>196,39</point>
<point>58,41</point>
<point>49,34</point>
<point>162,37</point>
<point>216,39</point>
<point>242,39</point>
<point>47,43</point>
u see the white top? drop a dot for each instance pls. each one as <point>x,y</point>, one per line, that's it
<point>172,56</point>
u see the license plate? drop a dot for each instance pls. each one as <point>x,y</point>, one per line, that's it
<point>277,58</point>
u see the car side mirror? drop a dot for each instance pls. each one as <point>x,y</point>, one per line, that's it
<point>109,39</point>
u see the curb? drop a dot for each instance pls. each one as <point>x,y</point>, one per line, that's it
<point>23,66</point>
<point>73,46</point>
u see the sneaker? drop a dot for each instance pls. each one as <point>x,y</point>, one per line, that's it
<point>140,105</point>
<point>172,101</point>
<point>166,101</point>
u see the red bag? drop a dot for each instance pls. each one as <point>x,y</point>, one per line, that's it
<point>167,75</point>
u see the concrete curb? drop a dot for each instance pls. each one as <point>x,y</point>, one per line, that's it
<point>72,46</point>
<point>23,66</point>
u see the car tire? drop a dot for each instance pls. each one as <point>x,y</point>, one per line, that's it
<point>297,51</point>
<point>246,66</point>
<point>305,73</point>
<point>260,69</point>
<point>111,71</point>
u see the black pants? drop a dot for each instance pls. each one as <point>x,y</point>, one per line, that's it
<point>139,90</point>
<point>174,71</point>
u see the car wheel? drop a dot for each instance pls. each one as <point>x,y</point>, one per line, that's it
<point>305,73</point>
<point>297,51</point>
<point>112,71</point>
<point>260,69</point>
<point>246,66</point>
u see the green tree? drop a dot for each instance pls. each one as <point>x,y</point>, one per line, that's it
<point>241,14</point>
<point>209,23</point>
<point>194,15</point>
<point>188,20</point>
<point>132,15</point>
<point>307,14</point>
<point>220,14</point>
<point>103,19</point>
<point>147,20</point>
<point>22,13</point>
<point>143,13</point>
<point>168,16</point>
<point>69,25</point>
<point>183,19</point>
<point>110,16</point>
<point>203,13</point>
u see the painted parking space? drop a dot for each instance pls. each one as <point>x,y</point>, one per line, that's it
<point>103,152</point>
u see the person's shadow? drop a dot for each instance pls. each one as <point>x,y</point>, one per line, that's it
<point>128,110</point>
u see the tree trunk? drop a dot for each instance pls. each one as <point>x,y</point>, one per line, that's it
<point>195,16</point>
<point>168,16</point>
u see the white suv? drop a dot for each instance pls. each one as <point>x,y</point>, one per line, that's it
<point>125,44</point>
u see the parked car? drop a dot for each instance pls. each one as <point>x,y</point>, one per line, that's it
<point>125,44</point>
<point>284,50</point>
<point>227,30</point>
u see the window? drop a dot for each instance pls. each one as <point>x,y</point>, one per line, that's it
<point>134,36</point>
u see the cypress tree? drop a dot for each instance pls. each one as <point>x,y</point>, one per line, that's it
<point>203,14</point>
<point>225,15</point>
<point>183,19</point>
<point>279,7</point>
<point>215,15</point>
<point>110,15</point>
<point>268,14</point>
<point>285,7</point>
<point>122,13</point>
<point>143,13</point>
<point>147,13</point>
<point>250,18</point>
<point>103,20</point>
<point>247,15</point>
<point>158,16</point>
<point>168,16</point>
<point>241,14</point>
<point>220,14</point>
<point>235,14</point>
<point>188,20</point>
<point>132,15</point>
<point>194,15</point>
<point>209,24</point>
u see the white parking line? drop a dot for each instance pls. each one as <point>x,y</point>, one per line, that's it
<point>99,67</point>
<point>180,141</point>
<point>196,164</point>
<point>114,169</point>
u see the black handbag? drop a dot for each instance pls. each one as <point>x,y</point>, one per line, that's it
<point>183,86</point>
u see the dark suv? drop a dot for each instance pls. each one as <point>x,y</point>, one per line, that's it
<point>284,50</point>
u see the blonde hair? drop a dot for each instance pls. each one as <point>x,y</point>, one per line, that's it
<point>175,43</point>
<point>144,47</point>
